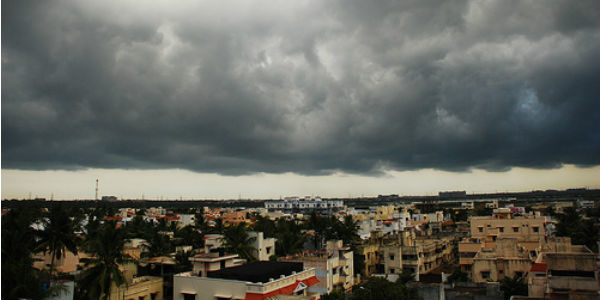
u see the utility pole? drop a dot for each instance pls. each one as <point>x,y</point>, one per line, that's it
<point>96,189</point>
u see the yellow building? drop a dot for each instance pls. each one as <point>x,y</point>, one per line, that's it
<point>528,230</point>
<point>504,258</point>
<point>564,271</point>
<point>139,288</point>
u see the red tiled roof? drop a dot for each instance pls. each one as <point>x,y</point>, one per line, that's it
<point>113,218</point>
<point>539,267</point>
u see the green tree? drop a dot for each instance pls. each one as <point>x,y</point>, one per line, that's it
<point>347,230</point>
<point>290,239</point>
<point>581,232</point>
<point>335,294</point>
<point>160,244</point>
<point>102,269</point>
<point>375,288</point>
<point>513,286</point>
<point>238,241</point>
<point>406,276</point>
<point>58,234</point>
<point>265,225</point>
<point>458,276</point>
<point>320,226</point>
<point>189,235</point>
<point>19,279</point>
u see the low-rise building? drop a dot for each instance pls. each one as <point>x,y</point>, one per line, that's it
<point>259,280</point>
<point>528,230</point>
<point>334,267</point>
<point>564,271</point>
<point>504,258</point>
<point>264,248</point>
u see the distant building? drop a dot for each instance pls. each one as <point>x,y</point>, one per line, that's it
<point>109,198</point>
<point>298,204</point>
<point>452,194</point>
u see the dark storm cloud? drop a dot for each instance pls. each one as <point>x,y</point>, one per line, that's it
<point>311,87</point>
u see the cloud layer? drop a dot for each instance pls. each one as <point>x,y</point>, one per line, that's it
<point>304,86</point>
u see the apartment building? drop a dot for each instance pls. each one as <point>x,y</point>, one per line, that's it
<point>504,258</point>
<point>392,254</point>
<point>334,267</point>
<point>423,255</point>
<point>259,280</point>
<point>303,204</point>
<point>528,230</point>
<point>564,271</point>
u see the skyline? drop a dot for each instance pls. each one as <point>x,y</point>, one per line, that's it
<point>330,97</point>
<point>138,184</point>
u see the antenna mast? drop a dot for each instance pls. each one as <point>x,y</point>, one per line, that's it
<point>96,189</point>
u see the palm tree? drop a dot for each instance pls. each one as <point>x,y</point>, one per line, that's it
<point>319,225</point>
<point>106,248</point>
<point>513,286</point>
<point>348,230</point>
<point>58,234</point>
<point>265,225</point>
<point>160,245</point>
<point>290,239</point>
<point>19,278</point>
<point>238,241</point>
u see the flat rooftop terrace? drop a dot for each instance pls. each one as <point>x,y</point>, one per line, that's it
<point>256,272</point>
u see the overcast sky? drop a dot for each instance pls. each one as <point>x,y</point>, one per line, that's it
<point>243,93</point>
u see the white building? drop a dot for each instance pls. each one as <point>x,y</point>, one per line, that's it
<point>264,247</point>
<point>292,203</point>
<point>259,280</point>
<point>334,267</point>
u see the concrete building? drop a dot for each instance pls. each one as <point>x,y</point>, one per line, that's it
<point>259,280</point>
<point>290,204</point>
<point>334,267</point>
<point>504,258</point>
<point>528,230</point>
<point>564,271</point>
<point>213,261</point>
<point>264,247</point>
<point>234,218</point>
<point>139,288</point>
<point>423,255</point>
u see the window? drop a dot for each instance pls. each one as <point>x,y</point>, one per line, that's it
<point>480,229</point>
<point>189,296</point>
<point>518,274</point>
<point>500,229</point>
<point>392,271</point>
<point>268,250</point>
<point>334,271</point>
<point>485,274</point>
<point>222,264</point>
<point>392,257</point>
<point>515,229</point>
<point>536,229</point>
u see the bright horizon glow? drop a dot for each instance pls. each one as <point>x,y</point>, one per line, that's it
<point>182,184</point>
